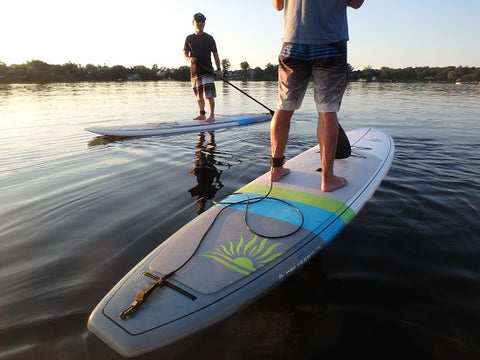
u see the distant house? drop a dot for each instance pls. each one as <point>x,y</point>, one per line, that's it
<point>162,74</point>
<point>133,77</point>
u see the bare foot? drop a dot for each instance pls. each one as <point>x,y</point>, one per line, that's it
<point>210,119</point>
<point>336,182</point>
<point>277,173</point>
<point>200,117</point>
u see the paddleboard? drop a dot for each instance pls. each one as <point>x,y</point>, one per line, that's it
<point>179,127</point>
<point>216,264</point>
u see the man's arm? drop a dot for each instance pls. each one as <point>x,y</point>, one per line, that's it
<point>278,4</point>
<point>187,53</point>
<point>355,3</point>
<point>217,62</point>
<point>217,59</point>
<point>187,57</point>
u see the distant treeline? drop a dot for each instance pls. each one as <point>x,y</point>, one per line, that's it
<point>37,71</point>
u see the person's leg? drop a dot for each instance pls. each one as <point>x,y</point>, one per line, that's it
<point>211,104</point>
<point>279,129</point>
<point>327,134</point>
<point>330,77</point>
<point>201,106</point>
<point>210,93</point>
<point>293,79</point>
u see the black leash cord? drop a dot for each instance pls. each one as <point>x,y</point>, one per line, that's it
<point>255,200</point>
<point>143,294</point>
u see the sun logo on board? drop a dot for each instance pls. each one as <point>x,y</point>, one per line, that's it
<point>245,257</point>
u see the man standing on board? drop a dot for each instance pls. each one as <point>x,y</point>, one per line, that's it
<point>197,50</point>
<point>315,43</point>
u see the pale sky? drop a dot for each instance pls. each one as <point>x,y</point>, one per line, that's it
<point>393,33</point>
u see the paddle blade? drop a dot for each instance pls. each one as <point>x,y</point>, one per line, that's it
<point>344,150</point>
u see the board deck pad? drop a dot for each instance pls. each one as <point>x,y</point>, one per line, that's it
<point>223,265</point>
<point>229,256</point>
<point>179,126</point>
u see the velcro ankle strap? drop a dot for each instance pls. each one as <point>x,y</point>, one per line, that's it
<point>277,162</point>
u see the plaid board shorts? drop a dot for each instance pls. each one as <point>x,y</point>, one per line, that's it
<point>204,87</point>
<point>328,66</point>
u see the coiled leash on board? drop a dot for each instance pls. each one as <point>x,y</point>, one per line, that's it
<point>343,151</point>
<point>163,281</point>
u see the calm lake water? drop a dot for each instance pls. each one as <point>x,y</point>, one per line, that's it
<point>78,211</point>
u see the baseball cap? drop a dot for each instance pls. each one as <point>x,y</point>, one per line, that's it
<point>199,16</point>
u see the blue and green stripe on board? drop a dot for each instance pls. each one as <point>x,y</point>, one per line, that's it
<point>317,210</point>
<point>322,216</point>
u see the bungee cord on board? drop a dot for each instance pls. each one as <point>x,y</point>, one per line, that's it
<point>163,281</point>
<point>343,151</point>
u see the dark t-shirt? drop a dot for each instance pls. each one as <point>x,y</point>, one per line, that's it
<point>200,47</point>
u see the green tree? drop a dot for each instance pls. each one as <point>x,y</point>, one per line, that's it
<point>385,73</point>
<point>117,72</point>
<point>442,74</point>
<point>271,72</point>
<point>351,72</point>
<point>37,71</point>
<point>144,72</point>
<point>452,76</point>
<point>258,74</point>
<point>409,74</point>
<point>68,72</point>
<point>245,67</point>
<point>180,74</point>
<point>3,70</point>
<point>225,67</point>
<point>368,72</point>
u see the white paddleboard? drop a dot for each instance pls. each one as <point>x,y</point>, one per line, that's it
<point>214,265</point>
<point>179,127</point>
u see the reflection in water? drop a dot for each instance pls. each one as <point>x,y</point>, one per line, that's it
<point>404,271</point>
<point>105,140</point>
<point>208,176</point>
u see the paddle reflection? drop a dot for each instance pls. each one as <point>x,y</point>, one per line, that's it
<point>208,176</point>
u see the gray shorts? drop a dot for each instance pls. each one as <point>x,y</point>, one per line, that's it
<point>329,75</point>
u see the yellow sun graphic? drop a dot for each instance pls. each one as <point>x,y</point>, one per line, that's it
<point>244,257</point>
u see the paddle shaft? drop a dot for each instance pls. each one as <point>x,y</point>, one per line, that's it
<point>243,92</point>
<point>343,145</point>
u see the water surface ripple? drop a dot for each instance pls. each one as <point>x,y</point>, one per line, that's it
<point>78,211</point>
